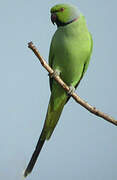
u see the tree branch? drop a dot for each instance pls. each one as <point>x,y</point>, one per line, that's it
<point>66,88</point>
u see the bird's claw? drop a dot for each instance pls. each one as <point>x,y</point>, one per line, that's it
<point>55,73</point>
<point>71,90</point>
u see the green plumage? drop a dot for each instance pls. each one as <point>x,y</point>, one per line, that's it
<point>70,53</point>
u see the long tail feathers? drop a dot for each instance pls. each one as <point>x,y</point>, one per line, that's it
<point>55,109</point>
<point>51,121</point>
<point>34,156</point>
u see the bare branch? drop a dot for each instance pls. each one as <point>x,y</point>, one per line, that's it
<point>74,95</point>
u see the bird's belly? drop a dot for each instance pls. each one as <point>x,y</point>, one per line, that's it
<point>71,55</point>
<point>70,64</point>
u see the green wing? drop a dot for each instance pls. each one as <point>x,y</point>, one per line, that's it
<point>86,62</point>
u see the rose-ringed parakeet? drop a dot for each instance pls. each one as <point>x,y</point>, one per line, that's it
<point>69,56</point>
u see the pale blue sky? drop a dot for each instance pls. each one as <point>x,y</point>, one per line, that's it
<point>83,146</point>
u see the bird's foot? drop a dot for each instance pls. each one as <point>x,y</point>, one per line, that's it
<point>55,73</point>
<point>71,90</point>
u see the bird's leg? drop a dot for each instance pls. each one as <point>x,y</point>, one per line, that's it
<point>55,73</point>
<point>71,90</point>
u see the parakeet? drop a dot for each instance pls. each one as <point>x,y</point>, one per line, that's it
<point>69,57</point>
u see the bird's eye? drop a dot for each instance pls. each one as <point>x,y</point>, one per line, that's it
<point>62,9</point>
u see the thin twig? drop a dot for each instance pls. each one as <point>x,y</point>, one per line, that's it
<point>74,95</point>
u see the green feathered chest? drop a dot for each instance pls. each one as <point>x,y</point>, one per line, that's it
<point>71,46</point>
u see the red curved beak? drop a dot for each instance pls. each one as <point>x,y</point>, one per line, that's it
<point>53,18</point>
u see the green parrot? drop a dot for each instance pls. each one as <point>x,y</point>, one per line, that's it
<point>69,57</point>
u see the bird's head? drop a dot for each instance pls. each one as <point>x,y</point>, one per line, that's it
<point>63,14</point>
